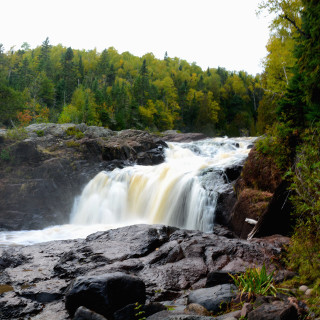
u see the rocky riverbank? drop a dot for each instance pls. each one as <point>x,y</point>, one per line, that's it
<point>150,264</point>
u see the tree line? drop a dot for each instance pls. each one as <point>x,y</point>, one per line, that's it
<point>120,91</point>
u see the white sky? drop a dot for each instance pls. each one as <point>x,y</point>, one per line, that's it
<point>212,33</point>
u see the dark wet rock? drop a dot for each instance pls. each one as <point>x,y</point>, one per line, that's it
<point>45,172</point>
<point>138,311</point>
<point>104,294</point>
<point>134,145</point>
<point>83,313</point>
<point>283,275</point>
<point>233,173</point>
<point>25,152</point>
<point>277,217</point>
<point>275,310</point>
<point>214,299</point>
<point>14,307</point>
<point>171,136</point>
<point>171,315</point>
<point>168,260</point>
<point>223,231</point>
<point>215,278</point>
<point>225,203</point>
<point>8,259</point>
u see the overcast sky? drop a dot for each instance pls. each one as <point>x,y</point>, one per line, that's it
<point>212,33</point>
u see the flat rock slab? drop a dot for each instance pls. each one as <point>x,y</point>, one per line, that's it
<point>170,261</point>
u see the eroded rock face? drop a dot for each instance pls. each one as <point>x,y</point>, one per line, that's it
<point>41,175</point>
<point>168,260</point>
<point>261,196</point>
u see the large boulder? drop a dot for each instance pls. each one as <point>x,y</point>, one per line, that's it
<point>104,294</point>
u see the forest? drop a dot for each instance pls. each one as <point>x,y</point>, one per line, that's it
<point>120,91</point>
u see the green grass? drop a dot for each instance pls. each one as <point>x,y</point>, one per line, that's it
<point>255,281</point>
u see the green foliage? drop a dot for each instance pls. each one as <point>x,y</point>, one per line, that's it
<point>72,144</point>
<point>314,301</point>
<point>73,131</point>
<point>255,281</point>
<point>5,155</point>
<point>16,134</point>
<point>279,143</point>
<point>40,133</point>
<point>304,251</point>
<point>140,313</point>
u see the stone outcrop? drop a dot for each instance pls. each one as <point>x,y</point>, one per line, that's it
<point>43,168</point>
<point>262,196</point>
<point>36,280</point>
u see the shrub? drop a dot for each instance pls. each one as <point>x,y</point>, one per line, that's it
<point>73,131</point>
<point>40,133</point>
<point>17,134</point>
<point>5,155</point>
<point>255,281</point>
<point>304,251</point>
<point>279,143</point>
<point>72,144</point>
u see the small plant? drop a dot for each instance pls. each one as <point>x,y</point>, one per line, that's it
<point>140,314</point>
<point>255,281</point>
<point>5,155</point>
<point>40,133</point>
<point>72,144</point>
<point>17,134</point>
<point>73,131</point>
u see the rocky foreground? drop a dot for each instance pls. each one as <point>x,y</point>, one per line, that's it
<point>108,272</point>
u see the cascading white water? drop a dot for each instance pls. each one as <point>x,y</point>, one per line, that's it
<point>180,192</point>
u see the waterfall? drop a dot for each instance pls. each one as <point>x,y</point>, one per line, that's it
<point>171,193</point>
<point>182,192</point>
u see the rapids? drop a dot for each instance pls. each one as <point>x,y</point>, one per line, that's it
<point>180,192</point>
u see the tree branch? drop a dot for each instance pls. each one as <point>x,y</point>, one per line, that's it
<point>294,24</point>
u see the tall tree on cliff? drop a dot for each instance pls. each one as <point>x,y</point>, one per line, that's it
<point>301,103</point>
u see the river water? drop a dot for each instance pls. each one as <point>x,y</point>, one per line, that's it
<point>180,192</point>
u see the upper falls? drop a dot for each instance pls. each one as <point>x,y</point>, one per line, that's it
<point>180,192</point>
